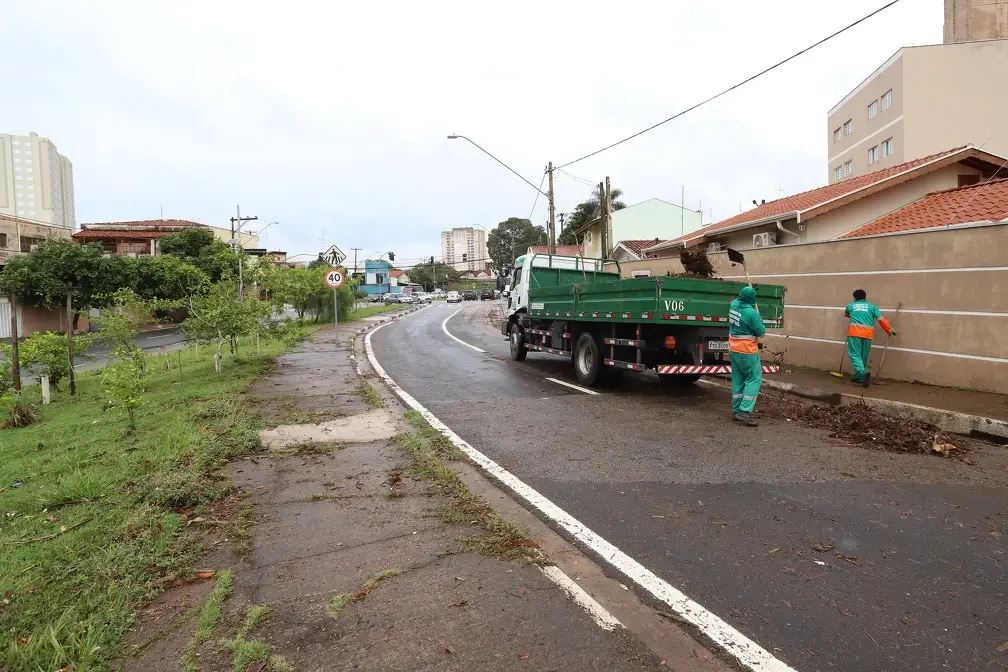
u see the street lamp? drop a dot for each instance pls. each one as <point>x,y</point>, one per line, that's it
<point>548,195</point>
<point>260,231</point>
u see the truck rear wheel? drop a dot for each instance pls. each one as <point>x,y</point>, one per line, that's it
<point>518,350</point>
<point>587,360</point>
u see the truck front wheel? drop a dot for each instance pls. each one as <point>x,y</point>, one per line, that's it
<point>518,350</point>
<point>587,360</point>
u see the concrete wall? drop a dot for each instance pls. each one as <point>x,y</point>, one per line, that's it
<point>13,229</point>
<point>953,286</point>
<point>955,95</point>
<point>967,20</point>
<point>35,320</point>
<point>867,133</point>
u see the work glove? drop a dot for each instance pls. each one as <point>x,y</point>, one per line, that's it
<point>892,333</point>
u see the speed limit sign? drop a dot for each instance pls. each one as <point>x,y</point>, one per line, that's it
<point>334,279</point>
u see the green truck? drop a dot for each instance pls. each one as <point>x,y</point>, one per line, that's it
<point>675,326</point>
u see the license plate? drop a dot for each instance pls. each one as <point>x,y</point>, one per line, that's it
<point>718,345</point>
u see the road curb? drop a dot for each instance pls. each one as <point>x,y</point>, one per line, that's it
<point>946,420</point>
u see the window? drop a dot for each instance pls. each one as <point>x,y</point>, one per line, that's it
<point>17,160</point>
<point>887,148</point>
<point>17,142</point>
<point>873,109</point>
<point>838,173</point>
<point>17,151</point>
<point>873,155</point>
<point>3,241</point>
<point>836,136</point>
<point>848,168</point>
<point>17,169</point>
<point>887,100</point>
<point>848,128</point>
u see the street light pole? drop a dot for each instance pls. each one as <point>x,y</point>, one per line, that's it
<point>549,195</point>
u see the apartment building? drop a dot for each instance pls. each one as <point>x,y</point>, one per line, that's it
<point>921,101</point>
<point>36,181</point>
<point>969,20</point>
<point>464,248</point>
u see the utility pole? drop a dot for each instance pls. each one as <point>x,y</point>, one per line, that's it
<point>602,221</point>
<point>236,227</point>
<point>552,210</point>
<point>15,361</point>
<point>608,219</point>
<point>355,251</point>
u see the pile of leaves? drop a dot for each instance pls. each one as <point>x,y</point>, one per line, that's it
<point>860,425</point>
<point>696,263</point>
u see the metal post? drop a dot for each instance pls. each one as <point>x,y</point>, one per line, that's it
<point>335,305</point>
<point>241,279</point>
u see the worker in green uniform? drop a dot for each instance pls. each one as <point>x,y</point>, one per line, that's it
<point>862,315</point>
<point>745,327</point>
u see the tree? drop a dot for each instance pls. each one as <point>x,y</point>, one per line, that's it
<point>585,212</point>
<point>511,238</point>
<point>432,277</point>
<point>80,277</point>
<point>169,278</point>
<point>203,250</point>
<point>219,316</point>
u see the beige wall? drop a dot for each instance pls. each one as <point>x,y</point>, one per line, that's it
<point>28,230</point>
<point>868,132</point>
<point>45,188</point>
<point>951,328</point>
<point>35,320</point>
<point>967,20</point>
<point>248,240</point>
<point>955,95</point>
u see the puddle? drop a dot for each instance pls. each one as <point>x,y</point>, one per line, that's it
<point>374,425</point>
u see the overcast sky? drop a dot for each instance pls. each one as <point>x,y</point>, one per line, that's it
<point>331,118</point>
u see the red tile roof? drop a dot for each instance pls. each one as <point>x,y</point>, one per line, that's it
<point>566,250</point>
<point>182,223</point>
<point>107,234</point>
<point>396,274</point>
<point>638,246</point>
<point>821,198</point>
<point>976,203</point>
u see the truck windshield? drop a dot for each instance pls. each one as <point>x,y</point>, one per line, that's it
<point>517,277</point>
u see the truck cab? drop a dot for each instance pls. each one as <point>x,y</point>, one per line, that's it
<point>517,291</point>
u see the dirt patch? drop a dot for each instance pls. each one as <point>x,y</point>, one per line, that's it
<point>862,426</point>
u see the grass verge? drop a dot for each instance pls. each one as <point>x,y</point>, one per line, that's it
<point>209,618</point>
<point>369,395</point>
<point>244,652</point>
<point>429,450</point>
<point>96,515</point>
<point>338,603</point>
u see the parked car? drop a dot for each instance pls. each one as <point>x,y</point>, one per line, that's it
<point>423,297</point>
<point>487,294</point>
<point>454,297</point>
<point>399,298</point>
<point>469,295</point>
<point>376,298</point>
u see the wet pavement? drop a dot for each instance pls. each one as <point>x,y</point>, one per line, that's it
<point>831,557</point>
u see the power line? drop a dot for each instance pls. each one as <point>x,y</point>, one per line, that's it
<point>587,183</point>
<point>732,88</point>
<point>539,192</point>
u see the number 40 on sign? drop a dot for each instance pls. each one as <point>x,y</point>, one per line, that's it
<point>334,279</point>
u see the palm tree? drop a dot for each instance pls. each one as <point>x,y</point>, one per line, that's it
<point>585,212</point>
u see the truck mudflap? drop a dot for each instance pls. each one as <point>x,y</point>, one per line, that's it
<point>705,369</point>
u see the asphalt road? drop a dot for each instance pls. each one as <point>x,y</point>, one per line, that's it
<point>94,358</point>
<point>913,573</point>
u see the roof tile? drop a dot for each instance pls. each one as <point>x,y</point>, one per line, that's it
<point>638,246</point>
<point>183,223</point>
<point>974,203</point>
<point>566,250</point>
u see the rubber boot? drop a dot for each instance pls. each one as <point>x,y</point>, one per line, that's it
<point>746,419</point>
<point>867,380</point>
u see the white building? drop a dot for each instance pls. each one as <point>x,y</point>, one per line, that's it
<point>464,248</point>
<point>36,181</point>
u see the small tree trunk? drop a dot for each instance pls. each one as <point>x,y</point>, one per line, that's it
<point>218,356</point>
<point>15,361</point>
<point>70,352</point>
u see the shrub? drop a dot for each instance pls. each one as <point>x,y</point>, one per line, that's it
<point>47,354</point>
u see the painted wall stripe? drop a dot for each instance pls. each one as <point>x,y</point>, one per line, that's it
<point>981,358</point>
<point>922,311</point>
<point>969,269</point>
<point>750,655</point>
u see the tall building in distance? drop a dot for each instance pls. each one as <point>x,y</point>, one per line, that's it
<point>922,101</point>
<point>464,248</point>
<point>36,181</point>
<point>971,20</point>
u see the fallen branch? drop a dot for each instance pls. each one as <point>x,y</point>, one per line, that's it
<point>53,536</point>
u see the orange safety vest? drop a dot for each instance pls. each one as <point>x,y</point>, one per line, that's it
<point>862,331</point>
<point>743,345</point>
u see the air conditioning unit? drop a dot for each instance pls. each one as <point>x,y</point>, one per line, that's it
<point>765,239</point>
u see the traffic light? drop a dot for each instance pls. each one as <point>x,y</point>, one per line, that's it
<point>464,257</point>
<point>432,260</point>
<point>391,256</point>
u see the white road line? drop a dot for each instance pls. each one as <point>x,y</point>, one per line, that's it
<point>572,386</point>
<point>599,614</point>
<point>444,328</point>
<point>750,655</point>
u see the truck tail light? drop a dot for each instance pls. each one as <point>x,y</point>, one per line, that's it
<point>670,342</point>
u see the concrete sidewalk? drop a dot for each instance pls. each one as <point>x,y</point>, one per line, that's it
<point>954,410</point>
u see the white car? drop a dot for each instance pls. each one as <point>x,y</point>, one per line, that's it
<point>423,297</point>
<point>454,297</point>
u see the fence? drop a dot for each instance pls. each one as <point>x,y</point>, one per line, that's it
<point>952,284</point>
